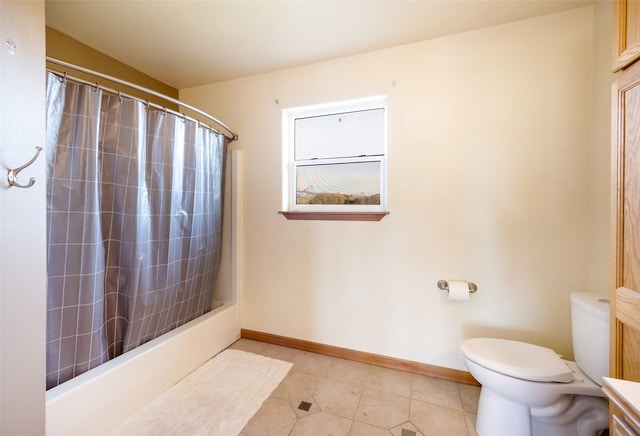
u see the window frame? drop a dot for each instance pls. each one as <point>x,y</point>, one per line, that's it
<point>291,209</point>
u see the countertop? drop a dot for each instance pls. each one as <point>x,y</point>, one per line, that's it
<point>627,389</point>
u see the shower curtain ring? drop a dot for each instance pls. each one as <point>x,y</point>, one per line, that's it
<point>12,175</point>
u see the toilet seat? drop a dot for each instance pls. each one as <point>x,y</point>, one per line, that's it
<point>517,359</point>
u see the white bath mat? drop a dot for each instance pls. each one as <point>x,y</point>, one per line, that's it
<point>218,398</point>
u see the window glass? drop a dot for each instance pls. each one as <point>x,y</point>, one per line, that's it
<point>342,183</point>
<point>359,133</point>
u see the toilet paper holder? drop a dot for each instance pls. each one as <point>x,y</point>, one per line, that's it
<point>444,285</point>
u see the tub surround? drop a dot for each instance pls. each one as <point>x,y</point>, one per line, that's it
<point>77,406</point>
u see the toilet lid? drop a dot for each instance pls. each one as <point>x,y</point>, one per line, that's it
<point>517,359</point>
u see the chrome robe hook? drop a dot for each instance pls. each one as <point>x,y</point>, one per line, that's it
<point>12,175</point>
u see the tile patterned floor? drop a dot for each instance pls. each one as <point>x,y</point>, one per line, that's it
<point>322,396</point>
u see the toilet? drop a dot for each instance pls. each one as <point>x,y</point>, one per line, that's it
<point>528,390</point>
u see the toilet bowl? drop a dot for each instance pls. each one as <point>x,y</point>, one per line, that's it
<point>528,390</point>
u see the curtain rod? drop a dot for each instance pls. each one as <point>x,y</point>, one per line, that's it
<point>233,137</point>
<point>65,76</point>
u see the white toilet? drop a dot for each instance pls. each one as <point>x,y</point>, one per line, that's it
<point>529,390</point>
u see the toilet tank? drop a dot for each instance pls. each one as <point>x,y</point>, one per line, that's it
<point>590,331</point>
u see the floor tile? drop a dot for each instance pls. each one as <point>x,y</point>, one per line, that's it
<point>338,398</point>
<point>281,353</point>
<point>432,419</point>
<point>406,429</point>
<point>322,424</point>
<point>348,371</point>
<point>470,396</point>
<point>382,409</point>
<point>296,385</point>
<point>471,423</point>
<point>248,345</point>
<point>274,418</point>
<point>375,401</point>
<point>304,407</point>
<point>327,396</point>
<point>362,429</point>
<point>389,380</point>
<point>311,363</point>
<point>435,391</point>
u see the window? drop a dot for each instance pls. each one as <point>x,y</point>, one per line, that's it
<point>335,159</point>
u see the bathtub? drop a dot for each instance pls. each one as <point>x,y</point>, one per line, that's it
<point>98,400</point>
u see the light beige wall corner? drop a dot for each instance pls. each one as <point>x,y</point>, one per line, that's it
<point>599,173</point>
<point>490,163</point>
<point>65,48</point>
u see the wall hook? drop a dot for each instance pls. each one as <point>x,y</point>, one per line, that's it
<point>12,175</point>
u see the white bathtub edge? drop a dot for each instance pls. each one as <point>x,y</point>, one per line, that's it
<point>102,398</point>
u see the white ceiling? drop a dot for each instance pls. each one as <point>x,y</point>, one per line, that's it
<point>188,43</point>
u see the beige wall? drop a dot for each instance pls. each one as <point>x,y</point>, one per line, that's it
<point>22,220</point>
<point>600,156</point>
<point>493,147</point>
<point>65,48</point>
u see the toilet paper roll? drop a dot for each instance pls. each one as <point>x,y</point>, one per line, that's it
<point>458,291</point>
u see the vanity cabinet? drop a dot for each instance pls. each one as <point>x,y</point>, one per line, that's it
<point>625,298</point>
<point>626,33</point>
<point>625,222</point>
<point>623,396</point>
<point>622,389</point>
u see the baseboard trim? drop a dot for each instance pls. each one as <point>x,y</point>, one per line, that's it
<point>364,357</point>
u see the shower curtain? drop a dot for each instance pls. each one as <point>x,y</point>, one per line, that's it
<point>134,219</point>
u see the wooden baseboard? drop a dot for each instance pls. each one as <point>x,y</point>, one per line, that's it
<point>361,356</point>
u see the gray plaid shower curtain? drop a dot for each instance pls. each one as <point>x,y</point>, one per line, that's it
<point>134,220</point>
